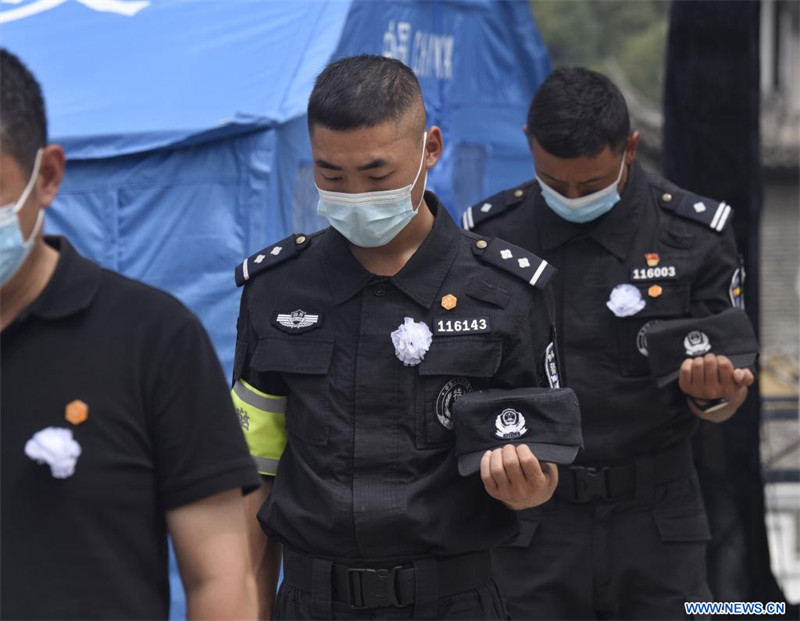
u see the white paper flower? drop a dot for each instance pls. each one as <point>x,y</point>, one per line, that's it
<point>625,300</point>
<point>55,447</point>
<point>411,341</point>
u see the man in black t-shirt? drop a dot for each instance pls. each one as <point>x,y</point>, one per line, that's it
<point>116,424</point>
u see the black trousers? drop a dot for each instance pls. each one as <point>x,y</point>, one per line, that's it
<point>631,558</point>
<point>483,602</point>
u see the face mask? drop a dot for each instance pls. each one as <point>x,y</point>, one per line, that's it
<point>371,219</point>
<point>14,248</point>
<point>585,208</point>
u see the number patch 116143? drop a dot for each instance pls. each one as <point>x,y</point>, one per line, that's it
<point>452,326</point>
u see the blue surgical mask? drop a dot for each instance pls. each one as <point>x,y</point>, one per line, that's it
<point>585,208</point>
<point>14,248</point>
<point>371,219</point>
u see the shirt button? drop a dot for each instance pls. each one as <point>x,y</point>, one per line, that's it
<point>379,290</point>
<point>666,197</point>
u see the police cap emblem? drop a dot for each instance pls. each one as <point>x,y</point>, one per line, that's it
<point>696,343</point>
<point>509,425</point>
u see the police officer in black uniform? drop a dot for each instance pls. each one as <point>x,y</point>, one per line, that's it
<point>625,535</point>
<point>356,341</point>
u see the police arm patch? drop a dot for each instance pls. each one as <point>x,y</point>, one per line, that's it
<point>736,288</point>
<point>551,366</point>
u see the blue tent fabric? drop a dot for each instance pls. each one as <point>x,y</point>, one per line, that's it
<point>185,130</point>
<point>184,120</point>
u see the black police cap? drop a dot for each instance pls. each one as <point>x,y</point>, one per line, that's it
<point>548,420</point>
<point>729,333</point>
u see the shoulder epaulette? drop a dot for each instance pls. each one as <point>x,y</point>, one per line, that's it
<point>495,205</point>
<point>514,259</point>
<point>711,213</point>
<point>270,257</point>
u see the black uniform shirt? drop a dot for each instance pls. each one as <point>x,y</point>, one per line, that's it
<point>675,247</point>
<point>369,470</point>
<point>160,433</point>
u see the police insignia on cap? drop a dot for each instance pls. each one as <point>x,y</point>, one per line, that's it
<point>509,425</point>
<point>696,343</point>
<point>297,321</point>
<point>451,391</point>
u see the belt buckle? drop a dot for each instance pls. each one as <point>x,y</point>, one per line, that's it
<point>591,483</point>
<point>372,588</point>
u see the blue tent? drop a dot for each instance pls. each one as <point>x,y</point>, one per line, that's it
<point>184,120</point>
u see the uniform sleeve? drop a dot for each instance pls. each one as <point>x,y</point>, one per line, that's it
<point>720,280</point>
<point>198,446</point>
<point>259,400</point>
<point>530,352</point>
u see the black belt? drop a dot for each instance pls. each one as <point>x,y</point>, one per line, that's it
<point>392,585</point>
<point>584,484</point>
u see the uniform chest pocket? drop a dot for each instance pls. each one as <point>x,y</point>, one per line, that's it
<point>669,301</point>
<point>303,364</point>
<point>451,367</point>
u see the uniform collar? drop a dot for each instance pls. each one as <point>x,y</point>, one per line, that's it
<point>421,277</point>
<point>614,231</point>
<point>71,287</point>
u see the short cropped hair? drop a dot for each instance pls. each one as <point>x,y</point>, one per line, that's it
<point>363,91</point>
<point>577,112</point>
<point>23,122</point>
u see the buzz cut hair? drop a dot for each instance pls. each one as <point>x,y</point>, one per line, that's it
<point>23,122</point>
<point>363,91</point>
<point>578,112</point>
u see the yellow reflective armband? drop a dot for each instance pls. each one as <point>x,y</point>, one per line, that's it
<point>263,421</point>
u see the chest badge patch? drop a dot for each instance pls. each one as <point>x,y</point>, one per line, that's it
<point>652,259</point>
<point>655,291</point>
<point>509,425</point>
<point>296,321</point>
<point>451,391</point>
<point>696,343</point>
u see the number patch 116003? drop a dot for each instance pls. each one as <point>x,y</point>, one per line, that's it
<point>451,326</point>
<point>662,272</point>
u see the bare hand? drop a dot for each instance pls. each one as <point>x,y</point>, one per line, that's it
<point>514,476</point>
<point>713,377</point>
